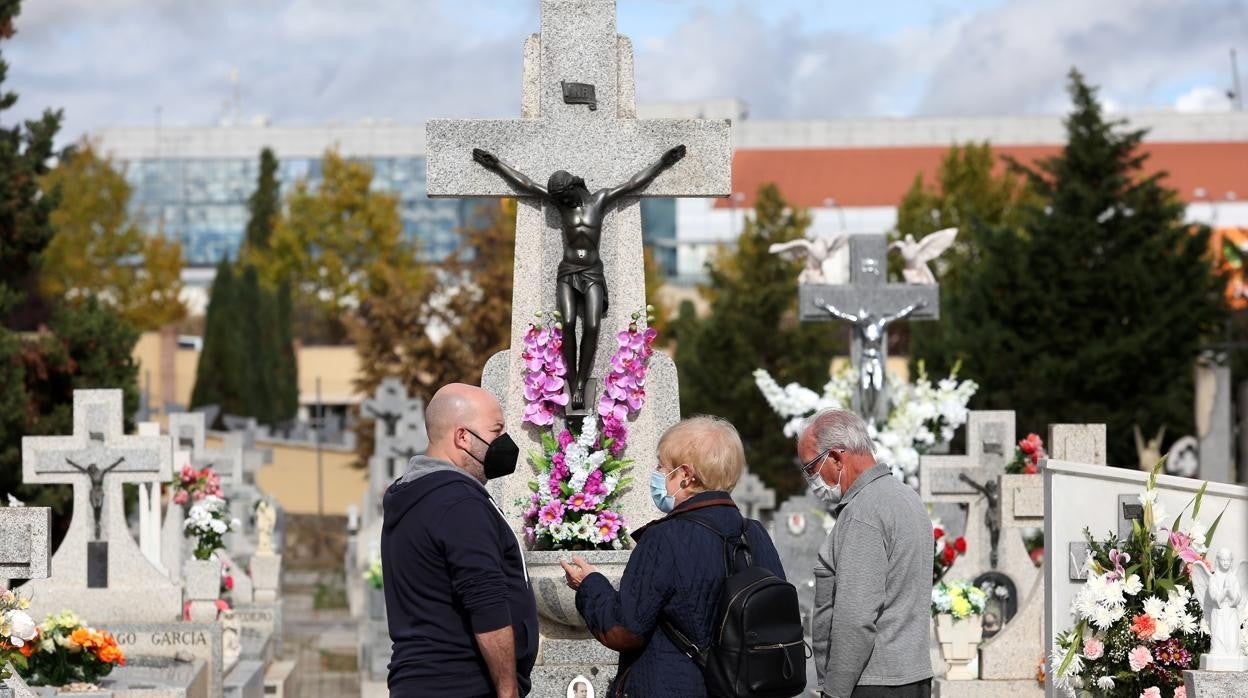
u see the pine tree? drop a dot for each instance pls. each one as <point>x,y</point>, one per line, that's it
<point>970,191</point>
<point>286,399</point>
<point>752,324</point>
<point>265,204</point>
<point>1096,310</point>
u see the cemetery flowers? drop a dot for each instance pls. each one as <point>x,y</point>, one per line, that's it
<point>207,522</point>
<point>1027,456</point>
<point>959,599</point>
<point>372,575</point>
<point>1137,623</point>
<point>945,551</point>
<point>922,415</point>
<point>68,651</point>
<point>580,476</point>
<point>17,630</point>
<point>194,485</point>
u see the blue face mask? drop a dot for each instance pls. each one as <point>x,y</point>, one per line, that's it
<point>658,492</point>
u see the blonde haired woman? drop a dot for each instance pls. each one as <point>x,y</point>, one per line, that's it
<point>678,565</point>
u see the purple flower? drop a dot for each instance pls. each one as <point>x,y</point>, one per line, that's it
<point>551,514</point>
<point>608,525</point>
<point>565,439</point>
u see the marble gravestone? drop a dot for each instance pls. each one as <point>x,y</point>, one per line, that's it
<point>398,435</point>
<point>605,145</point>
<point>1079,495</point>
<point>799,529</point>
<point>79,566</point>
<point>25,542</point>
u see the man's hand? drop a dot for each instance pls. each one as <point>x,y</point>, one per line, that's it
<point>673,156</point>
<point>576,572</point>
<point>485,158</point>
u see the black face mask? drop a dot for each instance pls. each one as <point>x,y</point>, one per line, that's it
<point>501,455</point>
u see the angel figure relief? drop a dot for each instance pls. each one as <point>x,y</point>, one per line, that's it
<point>818,253</point>
<point>1222,595</point>
<point>916,255</point>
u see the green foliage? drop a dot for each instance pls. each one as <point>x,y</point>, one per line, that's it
<point>97,250</point>
<point>753,322</point>
<point>286,396</point>
<point>1093,305</point>
<point>265,204</point>
<point>220,377</point>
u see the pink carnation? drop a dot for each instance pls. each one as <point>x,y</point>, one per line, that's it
<point>180,497</point>
<point>1093,648</point>
<point>1180,692</point>
<point>1151,692</point>
<point>1139,658</point>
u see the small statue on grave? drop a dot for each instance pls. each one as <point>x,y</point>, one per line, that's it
<point>1222,595</point>
<point>581,291</point>
<point>872,335</point>
<point>94,472</point>
<point>916,255</point>
<point>992,520</point>
<point>818,252</point>
<point>266,520</point>
<point>1148,452</point>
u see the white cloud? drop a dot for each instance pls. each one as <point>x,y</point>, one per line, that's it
<point>113,62</point>
<point>1203,99</point>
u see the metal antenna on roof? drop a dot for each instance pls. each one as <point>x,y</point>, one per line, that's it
<point>1235,94</point>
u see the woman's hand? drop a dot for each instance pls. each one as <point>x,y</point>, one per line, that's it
<point>577,571</point>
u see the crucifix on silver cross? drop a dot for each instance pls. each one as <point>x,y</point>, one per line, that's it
<point>870,304</point>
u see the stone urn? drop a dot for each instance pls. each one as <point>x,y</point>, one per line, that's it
<point>555,601</point>
<point>959,643</point>
<point>202,579</point>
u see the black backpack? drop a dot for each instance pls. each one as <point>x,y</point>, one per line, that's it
<point>756,648</point>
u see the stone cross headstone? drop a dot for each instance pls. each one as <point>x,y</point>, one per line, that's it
<point>398,430</point>
<point>606,145</point>
<point>24,542</point>
<point>799,531</point>
<point>961,481</point>
<point>872,300</point>
<point>188,432</point>
<point>149,509</point>
<point>753,496</point>
<point>98,575</point>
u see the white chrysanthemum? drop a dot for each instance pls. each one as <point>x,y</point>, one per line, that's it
<point>1102,617</point>
<point>1105,683</point>
<point>1154,607</point>
<point>1132,585</point>
<point>1162,631</point>
<point>1186,623</point>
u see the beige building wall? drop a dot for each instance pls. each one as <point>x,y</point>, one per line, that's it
<point>292,478</point>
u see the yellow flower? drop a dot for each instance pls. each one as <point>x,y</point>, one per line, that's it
<point>960,607</point>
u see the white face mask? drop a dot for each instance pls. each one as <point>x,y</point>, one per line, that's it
<point>822,490</point>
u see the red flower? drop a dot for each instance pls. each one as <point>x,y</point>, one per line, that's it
<point>960,545</point>
<point>229,582</point>
<point>949,556</point>
<point>1031,468</point>
<point>1037,556</point>
<point>938,532</point>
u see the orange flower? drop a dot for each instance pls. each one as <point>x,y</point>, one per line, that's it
<point>1143,626</point>
<point>111,654</point>
<point>82,637</point>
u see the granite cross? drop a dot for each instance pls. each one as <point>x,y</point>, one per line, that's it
<point>870,303</point>
<point>753,496</point>
<point>605,145</point>
<point>97,440</point>
<point>961,481</point>
<point>399,433</point>
<point>188,431</point>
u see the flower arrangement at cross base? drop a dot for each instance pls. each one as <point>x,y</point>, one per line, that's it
<point>956,606</point>
<point>68,651</point>
<point>944,551</point>
<point>960,599</point>
<point>17,631</point>
<point>922,416</point>
<point>581,476</point>
<point>1137,623</point>
<point>191,485</point>
<point>207,523</point>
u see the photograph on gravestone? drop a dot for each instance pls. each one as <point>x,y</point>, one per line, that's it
<point>1002,601</point>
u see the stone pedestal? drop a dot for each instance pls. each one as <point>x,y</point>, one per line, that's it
<point>202,588</point>
<point>266,577</point>
<point>1215,684</point>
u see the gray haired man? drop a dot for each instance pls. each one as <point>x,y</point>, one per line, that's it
<point>873,583</point>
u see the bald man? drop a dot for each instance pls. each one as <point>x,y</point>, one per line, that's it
<point>458,602</point>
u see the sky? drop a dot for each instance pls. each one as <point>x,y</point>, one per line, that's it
<point>132,62</point>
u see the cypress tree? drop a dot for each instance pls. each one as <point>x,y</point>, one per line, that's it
<point>221,374</point>
<point>286,402</point>
<point>264,205</point>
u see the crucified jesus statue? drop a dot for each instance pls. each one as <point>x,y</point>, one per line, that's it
<point>581,291</point>
<point>97,487</point>
<point>871,332</point>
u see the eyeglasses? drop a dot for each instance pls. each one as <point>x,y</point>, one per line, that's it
<point>815,463</point>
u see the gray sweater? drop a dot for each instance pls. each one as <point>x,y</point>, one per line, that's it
<point>873,589</point>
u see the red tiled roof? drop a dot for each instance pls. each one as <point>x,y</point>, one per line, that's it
<point>880,176</point>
